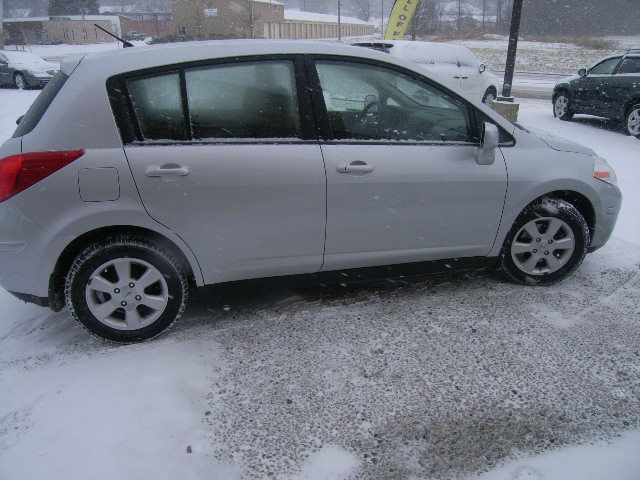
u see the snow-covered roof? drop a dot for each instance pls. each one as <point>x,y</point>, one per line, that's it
<point>429,52</point>
<point>300,16</point>
<point>268,1</point>
<point>93,18</point>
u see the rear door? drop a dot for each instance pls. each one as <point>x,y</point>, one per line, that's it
<point>225,155</point>
<point>619,89</point>
<point>403,184</point>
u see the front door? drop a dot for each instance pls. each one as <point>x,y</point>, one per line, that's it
<point>402,181</point>
<point>225,163</point>
<point>5,75</point>
<point>590,94</point>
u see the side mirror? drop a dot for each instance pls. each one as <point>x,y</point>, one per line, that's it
<point>582,72</point>
<point>482,68</point>
<point>19,119</point>
<point>486,153</point>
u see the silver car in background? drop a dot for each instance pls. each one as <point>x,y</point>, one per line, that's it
<point>23,69</point>
<point>139,175</point>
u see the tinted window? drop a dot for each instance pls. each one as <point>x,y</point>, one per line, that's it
<point>157,102</point>
<point>606,67</point>
<point>253,100</point>
<point>374,103</point>
<point>40,106</point>
<point>630,65</point>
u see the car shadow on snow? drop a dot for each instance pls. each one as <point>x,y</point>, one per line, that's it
<point>600,123</point>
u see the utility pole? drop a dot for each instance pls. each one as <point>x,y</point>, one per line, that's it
<point>339,23</point>
<point>513,49</point>
<point>381,18</point>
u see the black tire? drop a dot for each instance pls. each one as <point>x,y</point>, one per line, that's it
<point>126,247</point>
<point>633,109</point>
<point>568,112</point>
<point>16,81</point>
<point>490,91</point>
<point>547,207</point>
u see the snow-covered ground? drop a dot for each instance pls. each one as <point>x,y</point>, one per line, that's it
<point>433,377</point>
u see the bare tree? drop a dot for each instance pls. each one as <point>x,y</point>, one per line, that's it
<point>362,9</point>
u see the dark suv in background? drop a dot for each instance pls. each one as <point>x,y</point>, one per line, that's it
<point>609,89</point>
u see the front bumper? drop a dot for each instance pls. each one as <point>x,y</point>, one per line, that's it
<point>37,81</point>
<point>606,218</point>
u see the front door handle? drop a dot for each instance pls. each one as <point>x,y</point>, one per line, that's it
<point>464,78</point>
<point>457,76</point>
<point>356,167</point>
<point>169,170</point>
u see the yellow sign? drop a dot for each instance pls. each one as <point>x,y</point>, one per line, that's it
<point>400,18</point>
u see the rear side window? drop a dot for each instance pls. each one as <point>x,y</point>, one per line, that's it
<point>249,100</point>
<point>157,103</point>
<point>630,65</point>
<point>41,104</point>
<point>252,100</point>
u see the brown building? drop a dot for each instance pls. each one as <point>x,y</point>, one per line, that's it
<point>157,25</point>
<point>209,19</point>
<point>73,29</point>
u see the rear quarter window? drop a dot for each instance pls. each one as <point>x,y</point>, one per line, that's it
<point>41,104</point>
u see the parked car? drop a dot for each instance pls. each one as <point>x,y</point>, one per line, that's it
<point>454,65</point>
<point>609,89</point>
<point>213,162</point>
<point>24,69</point>
<point>133,35</point>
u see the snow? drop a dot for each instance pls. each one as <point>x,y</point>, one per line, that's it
<point>617,460</point>
<point>58,52</point>
<point>406,378</point>
<point>299,15</point>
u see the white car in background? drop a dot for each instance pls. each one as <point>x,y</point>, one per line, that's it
<point>454,65</point>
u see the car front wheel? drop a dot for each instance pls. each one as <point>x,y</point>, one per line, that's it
<point>489,96</point>
<point>546,244</point>
<point>633,121</point>
<point>20,82</point>
<point>126,289</point>
<point>562,107</point>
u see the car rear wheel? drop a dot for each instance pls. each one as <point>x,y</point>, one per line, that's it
<point>20,82</point>
<point>126,289</point>
<point>546,244</point>
<point>562,107</point>
<point>632,121</point>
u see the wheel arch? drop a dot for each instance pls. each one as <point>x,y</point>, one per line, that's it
<point>70,252</point>
<point>635,100</point>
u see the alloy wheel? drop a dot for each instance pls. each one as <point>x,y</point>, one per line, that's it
<point>20,81</point>
<point>127,294</point>
<point>543,246</point>
<point>633,122</point>
<point>560,106</point>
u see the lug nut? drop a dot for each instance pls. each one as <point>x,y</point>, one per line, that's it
<point>138,297</point>
<point>535,251</point>
<point>546,253</point>
<point>537,239</point>
<point>550,242</point>
<point>131,285</point>
<point>124,304</point>
<point>117,290</point>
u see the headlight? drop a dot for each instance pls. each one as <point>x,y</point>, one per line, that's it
<point>603,171</point>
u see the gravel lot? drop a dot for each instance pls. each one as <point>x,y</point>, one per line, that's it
<point>436,377</point>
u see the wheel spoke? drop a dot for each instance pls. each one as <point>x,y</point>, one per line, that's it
<point>103,310</point>
<point>566,243</point>
<point>554,227</point>
<point>133,318</point>
<point>520,247</point>
<point>123,269</point>
<point>553,263</point>
<point>149,277</point>
<point>532,229</point>
<point>530,264</point>
<point>153,302</point>
<point>100,284</point>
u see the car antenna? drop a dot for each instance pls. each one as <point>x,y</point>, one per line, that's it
<point>125,44</point>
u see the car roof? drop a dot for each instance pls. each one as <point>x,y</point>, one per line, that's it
<point>138,58</point>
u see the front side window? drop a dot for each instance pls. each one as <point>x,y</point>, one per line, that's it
<point>605,68</point>
<point>252,100</point>
<point>367,102</point>
<point>630,65</point>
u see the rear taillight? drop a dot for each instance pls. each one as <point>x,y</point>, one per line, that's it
<point>19,172</point>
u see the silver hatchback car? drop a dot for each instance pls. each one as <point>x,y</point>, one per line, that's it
<point>139,175</point>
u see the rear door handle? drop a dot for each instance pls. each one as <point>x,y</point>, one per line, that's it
<point>170,170</point>
<point>457,76</point>
<point>464,78</point>
<point>356,167</point>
